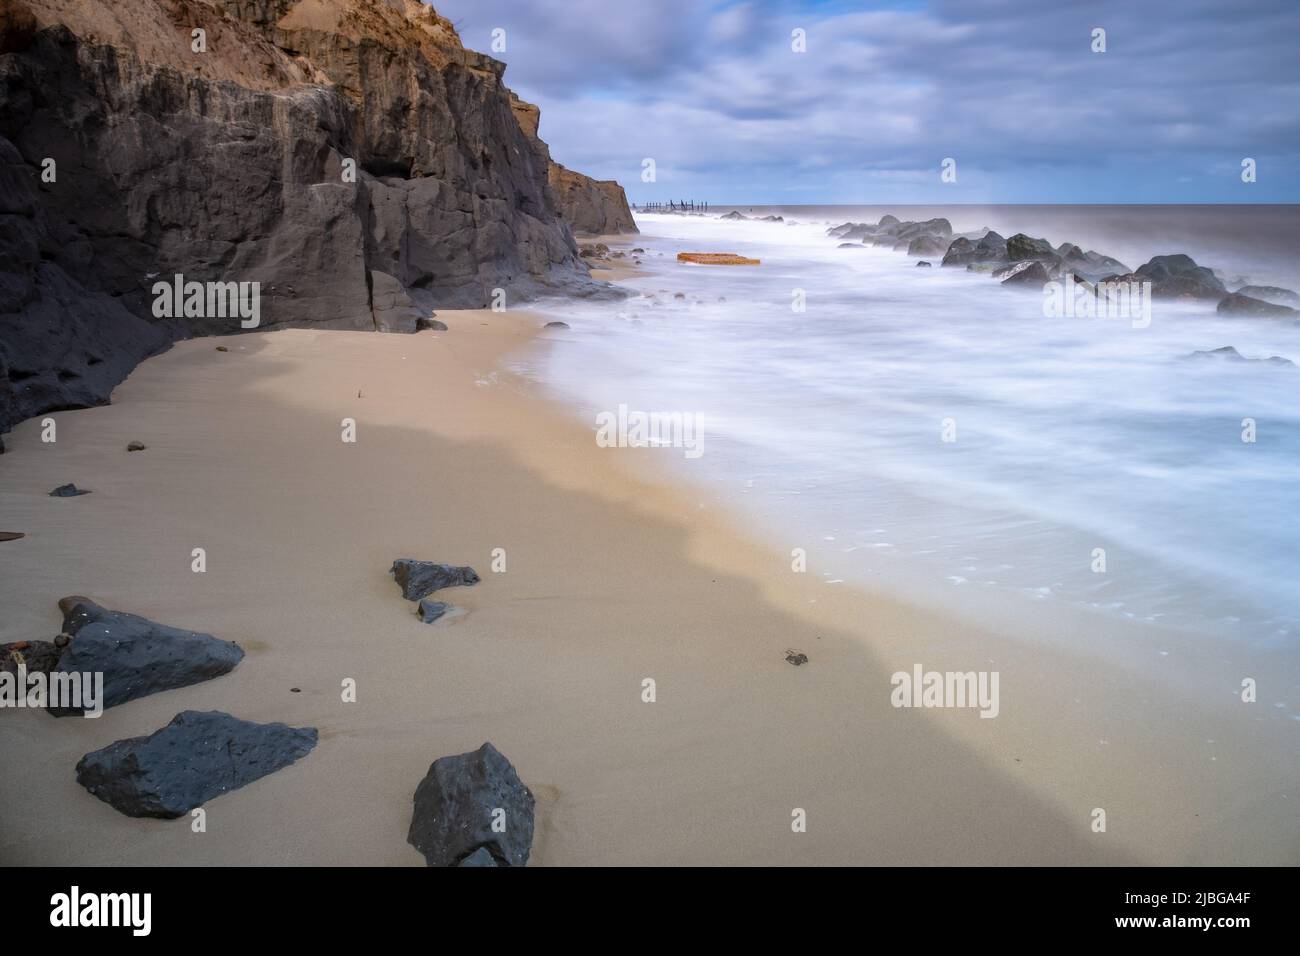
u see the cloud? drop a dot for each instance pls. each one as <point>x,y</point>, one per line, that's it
<point>715,94</point>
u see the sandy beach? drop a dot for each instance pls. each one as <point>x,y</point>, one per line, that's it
<point>611,577</point>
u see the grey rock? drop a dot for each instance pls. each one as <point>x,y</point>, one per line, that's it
<point>480,857</point>
<point>68,491</point>
<point>1237,304</point>
<point>1270,293</point>
<point>1021,247</point>
<point>136,656</point>
<point>1178,277</point>
<point>430,324</point>
<point>927,246</point>
<point>556,325</point>
<point>1034,274</point>
<point>196,757</point>
<point>430,611</point>
<point>136,446</point>
<point>922,262</point>
<point>850,245</point>
<point>1230,354</point>
<point>455,806</point>
<point>419,579</point>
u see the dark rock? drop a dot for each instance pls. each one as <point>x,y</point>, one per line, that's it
<point>851,245</point>
<point>68,491</point>
<point>222,348</point>
<point>430,611</point>
<point>1237,304</point>
<point>136,656</point>
<point>1179,277</point>
<point>1270,293</point>
<point>990,248</point>
<point>733,215</point>
<point>456,804</point>
<point>1033,274</point>
<point>797,658</point>
<point>597,250</point>
<point>12,535</point>
<point>556,325</point>
<point>136,446</point>
<point>927,246</point>
<point>198,756</point>
<point>480,857</point>
<point>429,324</point>
<point>1230,354</point>
<point>1021,247</point>
<point>922,262</point>
<point>421,578</point>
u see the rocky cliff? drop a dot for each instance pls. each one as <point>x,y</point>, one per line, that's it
<point>349,156</point>
<point>595,207</point>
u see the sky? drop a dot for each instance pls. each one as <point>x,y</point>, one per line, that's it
<point>883,93</point>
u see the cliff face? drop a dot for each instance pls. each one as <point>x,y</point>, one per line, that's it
<point>351,156</point>
<point>596,207</point>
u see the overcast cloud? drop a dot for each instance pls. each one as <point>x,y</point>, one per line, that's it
<point>1012,91</point>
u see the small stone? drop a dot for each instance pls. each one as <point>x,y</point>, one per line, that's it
<point>12,535</point>
<point>796,658</point>
<point>430,324</point>
<point>136,446</point>
<point>67,491</point>
<point>556,325</point>
<point>421,578</point>
<point>430,611</point>
<point>222,348</point>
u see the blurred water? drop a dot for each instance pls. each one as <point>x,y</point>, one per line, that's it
<point>1072,433</point>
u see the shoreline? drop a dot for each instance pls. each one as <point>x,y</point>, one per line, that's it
<point>611,577</point>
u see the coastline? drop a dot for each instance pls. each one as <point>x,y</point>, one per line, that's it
<point>611,577</point>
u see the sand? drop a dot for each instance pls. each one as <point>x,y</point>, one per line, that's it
<point>611,577</point>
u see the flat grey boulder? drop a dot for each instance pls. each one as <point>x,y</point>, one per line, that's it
<point>198,756</point>
<point>1270,293</point>
<point>136,656</point>
<point>430,611</point>
<point>469,803</point>
<point>1238,304</point>
<point>421,578</point>
<point>68,491</point>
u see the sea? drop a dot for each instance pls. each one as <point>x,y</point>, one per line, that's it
<point>929,431</point>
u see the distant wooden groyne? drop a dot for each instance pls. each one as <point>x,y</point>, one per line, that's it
<point>685,205</point>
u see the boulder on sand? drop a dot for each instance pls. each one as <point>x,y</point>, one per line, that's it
<point>136,656</point>
<point>68,491</point>
<point>198,756</point>
<point>459,800</point>
<point>421,578</point>
<point>430,611</point>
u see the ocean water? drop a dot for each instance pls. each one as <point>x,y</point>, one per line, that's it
<point>825,427</point>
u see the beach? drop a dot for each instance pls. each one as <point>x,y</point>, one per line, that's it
<point>614,573</point>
